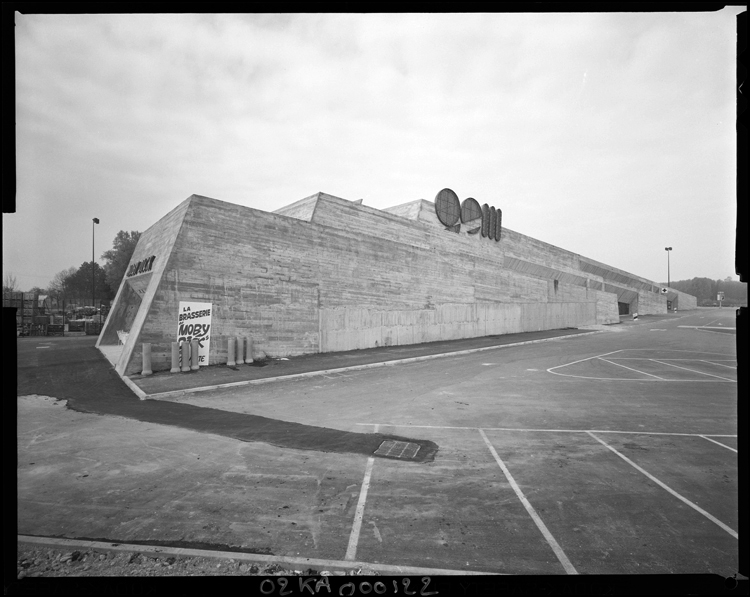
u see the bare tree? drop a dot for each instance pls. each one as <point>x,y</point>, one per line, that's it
<point>10,284</point>
<point>57,285</point>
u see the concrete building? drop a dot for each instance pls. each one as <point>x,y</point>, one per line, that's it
<point>326,274</point>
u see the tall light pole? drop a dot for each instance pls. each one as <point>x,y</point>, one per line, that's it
<point>93,271</point>
<point>668,249</point>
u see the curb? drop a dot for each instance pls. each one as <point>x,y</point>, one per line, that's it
<point>295,563</point>
<point>143,396</point>
<point>134,388</point>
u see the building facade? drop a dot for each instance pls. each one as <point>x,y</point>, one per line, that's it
<point>326,274</point>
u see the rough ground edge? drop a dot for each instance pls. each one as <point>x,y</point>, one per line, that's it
<point>295,563</point>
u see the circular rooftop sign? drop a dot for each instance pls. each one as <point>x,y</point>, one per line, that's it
<point>447,207</point>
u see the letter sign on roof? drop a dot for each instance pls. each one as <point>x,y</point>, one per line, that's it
<point>486,219</point>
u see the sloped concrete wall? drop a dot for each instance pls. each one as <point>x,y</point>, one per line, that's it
<point>682,301</point>
<point>157,241</point>
<point>328,274</point>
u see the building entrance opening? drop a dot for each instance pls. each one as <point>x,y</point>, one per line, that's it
<point>121,317</point>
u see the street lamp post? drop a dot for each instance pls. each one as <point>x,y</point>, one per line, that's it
<point>668,249</point>
<point>93,270</point>
<point>669,281</point>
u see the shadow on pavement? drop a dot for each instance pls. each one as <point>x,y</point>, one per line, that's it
<point>79,373</point>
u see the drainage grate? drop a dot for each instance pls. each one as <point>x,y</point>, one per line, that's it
<point>393,449</point>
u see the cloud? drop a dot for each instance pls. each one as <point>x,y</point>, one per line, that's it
<point>566,121</point>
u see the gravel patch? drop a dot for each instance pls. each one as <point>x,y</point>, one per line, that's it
<point>36,561</point>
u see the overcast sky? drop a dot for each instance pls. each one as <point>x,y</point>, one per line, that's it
<point>609,135</point>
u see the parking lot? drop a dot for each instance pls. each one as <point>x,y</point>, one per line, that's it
<point>613,453</point>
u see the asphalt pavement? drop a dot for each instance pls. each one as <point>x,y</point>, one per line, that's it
<point>73,369</point>
<point>322,363</point>
<point>141,473</point>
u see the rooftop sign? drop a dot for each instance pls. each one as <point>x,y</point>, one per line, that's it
<point>453,213</point>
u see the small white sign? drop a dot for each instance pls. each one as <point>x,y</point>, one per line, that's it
<point>194,323</point>
<point>664,291</point>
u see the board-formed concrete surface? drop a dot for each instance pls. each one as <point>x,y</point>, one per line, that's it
<point>537,472</point>
<point>330,275</point>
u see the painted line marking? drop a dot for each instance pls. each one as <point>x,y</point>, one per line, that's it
<point>707,327</point>
<point>296,563</point>
<point>530,509</point>
<point>719,364</point>
<point>713,330</point>
<point>638,380</point>
<point>723,445</point>
<point>619,358</point>
<point>351,550</point>
<point>582,360</point>
<point>550,430</point>
<point>306,374</point>
<point>661,359</point>
<point>631,369</point>
<point>692,370</point>
<point>669,489</point>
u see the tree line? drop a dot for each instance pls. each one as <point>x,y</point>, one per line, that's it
<point>75,283</point>
<point>707,290</point>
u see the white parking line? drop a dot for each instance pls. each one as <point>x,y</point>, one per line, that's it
<point>530,509</point>
<point>351,550</point>
<point>711,330</point>
<point>718,379</point>
<point>717,363</point>
<point>691,370</point>
<point>407,425</point>
<point>583,360</point>
<point>649,358</point>
<point>708,327</point>
<point>640,380</point>
<point>669,489</point>
<point>714,441</point>
<point>631,369</point>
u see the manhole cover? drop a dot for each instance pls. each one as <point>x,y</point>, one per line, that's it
<point>393,449</point>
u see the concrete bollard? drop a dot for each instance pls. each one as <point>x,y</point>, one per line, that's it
<point>185,356</point>
<point>194,355</point>
<point>146,360</point>
<point>249,354</point>
<point>175,358</point>
<point>240,350</point>
<point>230,351</point>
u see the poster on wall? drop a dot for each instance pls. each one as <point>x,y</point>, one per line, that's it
<point>194,323</point>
